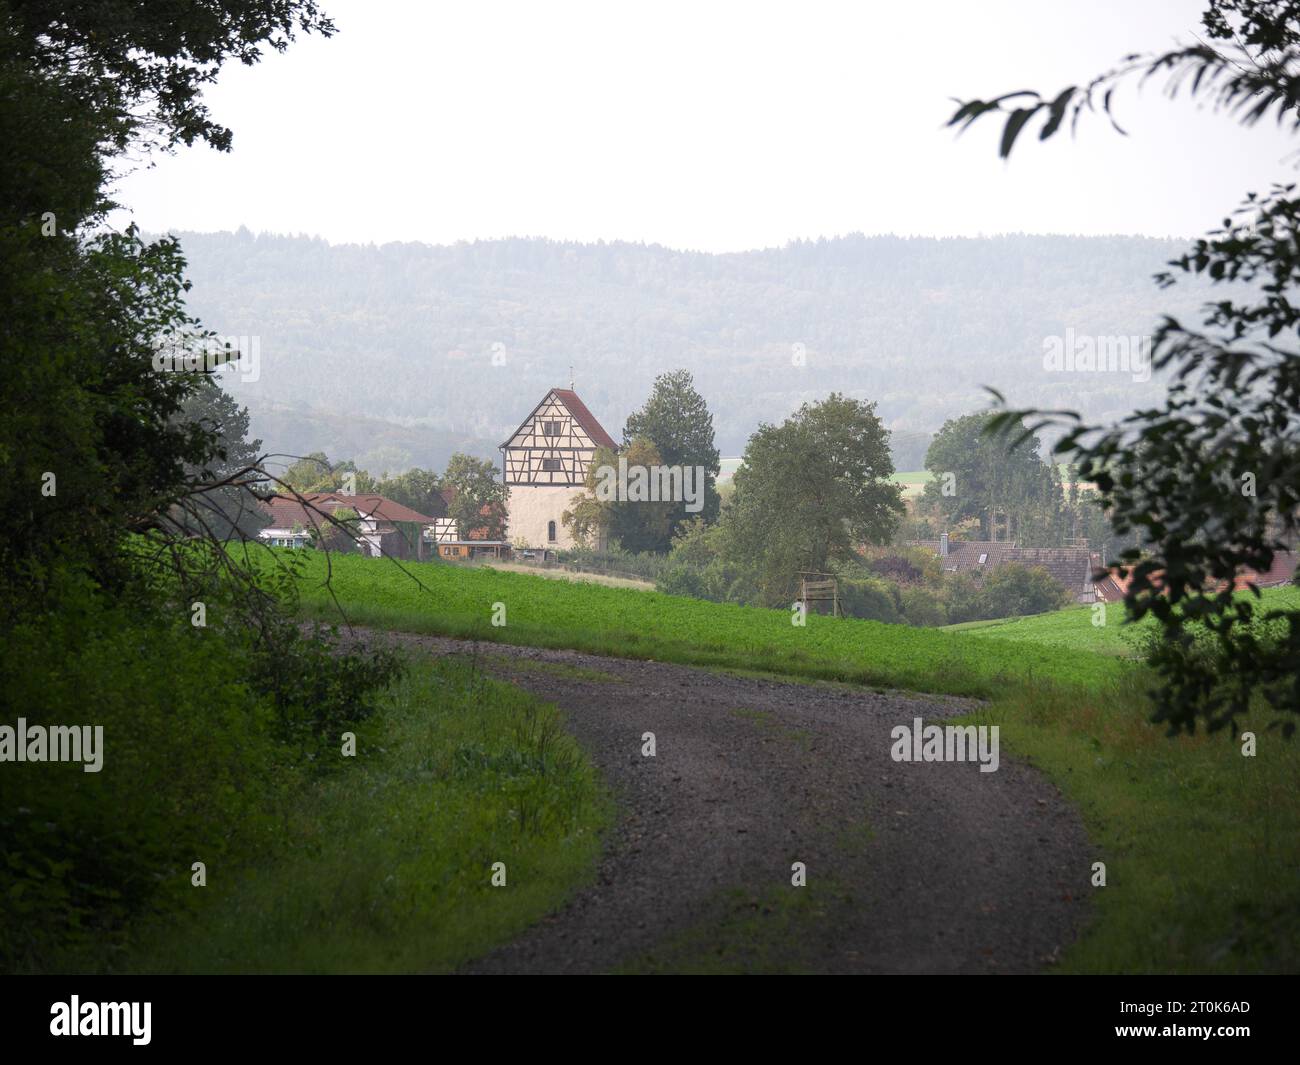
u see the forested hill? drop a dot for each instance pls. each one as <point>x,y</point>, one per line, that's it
<point>397,354</point>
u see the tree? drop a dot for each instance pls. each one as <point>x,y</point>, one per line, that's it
<point>810,490</point>
<point>676,420</point>
<point>98,457</point>
<point>340,535</point>
<point>637,524</point>
<point>1016,591</point>
<point>1210,480</point>
<point>478,499</point>
<point>421,490</point>
<point>586,515</point>
<point>977,476</point>
<point>223,497</point>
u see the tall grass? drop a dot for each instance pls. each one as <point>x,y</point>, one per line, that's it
<point>386,865</point>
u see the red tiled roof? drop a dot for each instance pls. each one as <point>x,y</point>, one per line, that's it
<point>585,418</point>
<point>1112,587</point>
<point>1069,566</point>
<point>287,511</point>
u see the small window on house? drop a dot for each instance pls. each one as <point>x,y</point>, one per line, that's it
<point>550,428</point>
<point>552,464</point>
<point>983,559</point>
<point>550,531</point>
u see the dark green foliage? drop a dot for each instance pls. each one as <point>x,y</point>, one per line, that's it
<point>896,568</point>
<point>206,730</point>
<point>677,421</point>
<point>110,460</point>
<point>870,599</point>
<point>988,477</point>
<point>634,525</point>
<point>922,606</point>
<point>478,498</point>
<point>221,500</point>
<point>421,490</point>
<point>810,491</point>
<point>1009,591</point>
<point>616,561</point>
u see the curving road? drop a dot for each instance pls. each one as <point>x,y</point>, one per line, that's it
<point>911,867</point>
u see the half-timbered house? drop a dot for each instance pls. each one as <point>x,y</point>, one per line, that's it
<point>544,465</point>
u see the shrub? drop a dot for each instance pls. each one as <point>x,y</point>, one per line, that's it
<point>923,606</point>
<point>874,600</point>
<point>206,730</point>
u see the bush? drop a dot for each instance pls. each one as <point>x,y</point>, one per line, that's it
<point>868,598</point>
<point>643,564</point>
<point>682,580</point>
<point>206,731</point>
<point>923,606</point>
<point>1009,591</point>
<point>1014,591</point>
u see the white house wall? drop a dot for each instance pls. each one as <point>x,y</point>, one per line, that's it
<point>531,507</point>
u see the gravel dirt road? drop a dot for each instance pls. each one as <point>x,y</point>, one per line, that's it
<point>910,867</point>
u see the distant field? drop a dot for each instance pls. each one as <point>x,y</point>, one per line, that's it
<point>913,482</point>
<point>727,468</point>
<point>1074,628</point>
<point>570,575</point>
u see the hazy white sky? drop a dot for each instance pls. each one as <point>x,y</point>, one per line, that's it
<point>708,125</point>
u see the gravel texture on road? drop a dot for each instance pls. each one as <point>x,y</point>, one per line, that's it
<point>910,867</point>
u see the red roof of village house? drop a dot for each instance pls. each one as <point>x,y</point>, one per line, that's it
<point>287,511</point>
<point>585,418</point>
<point>1112,587</point>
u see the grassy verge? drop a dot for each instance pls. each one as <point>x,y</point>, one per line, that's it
<point>1201,844</point>
<point>387,864</point>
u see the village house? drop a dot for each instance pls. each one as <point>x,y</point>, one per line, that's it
<point>445,540</point>
<point>544,465</point>
<point>1111,587</point>
<point>384,527</point>
<point>1071,567</point>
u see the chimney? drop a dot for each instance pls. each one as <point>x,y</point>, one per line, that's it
<point>943,545</point>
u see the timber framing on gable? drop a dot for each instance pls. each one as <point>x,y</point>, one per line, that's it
<point>554,445</point>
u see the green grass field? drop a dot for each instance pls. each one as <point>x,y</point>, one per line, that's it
<point>1201,844</point>
<point>460,601</point>
<point>386,865</point>
<point>1076,629</point>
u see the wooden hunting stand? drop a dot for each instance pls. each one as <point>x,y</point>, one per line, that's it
<point>820,588</point>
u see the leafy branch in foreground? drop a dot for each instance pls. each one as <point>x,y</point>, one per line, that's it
<point>1210,478</point>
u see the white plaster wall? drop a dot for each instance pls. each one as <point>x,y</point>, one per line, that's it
<point>532,506</point>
